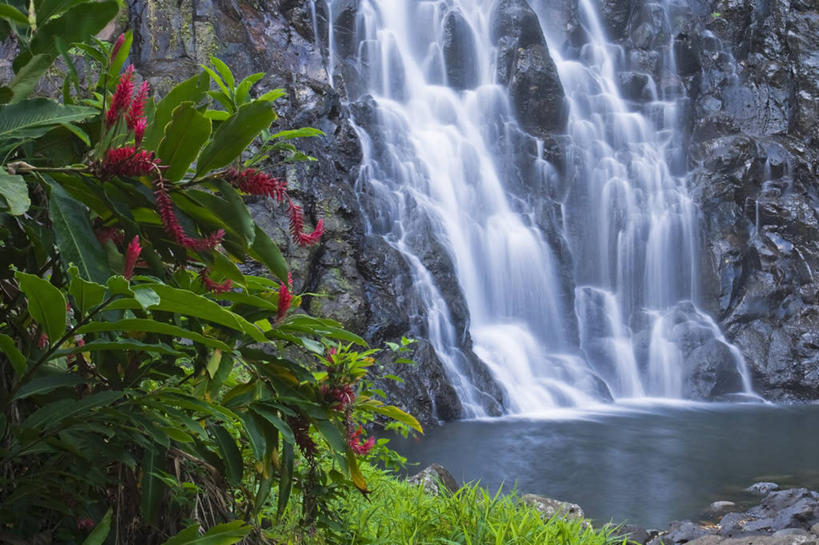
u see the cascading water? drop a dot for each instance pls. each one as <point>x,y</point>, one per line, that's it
<point>436,162</point>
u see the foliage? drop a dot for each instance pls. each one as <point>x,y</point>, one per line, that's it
<point>149,384</point>
<point>399,513</point>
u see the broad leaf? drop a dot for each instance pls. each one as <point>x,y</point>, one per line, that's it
<point>285,478</point>
<point>87,295</point>
<point>124,345</point>
<point>10,13</point>
<point>151,485</point>
<point>221,534</point>
<point>15,357</point>
<point>48,384</point>
<point>267,252</point>
<point>46,303</point>
<point>75,25</point>
<point>230,454</point>
<point>75,236</point>
<point>27,77</point>
<point>51,415</point>
<point>152,326</point>
<point>35,117</point>
<point>190,90</point>
<point>184,136</point>
<point>234,135</point>
<point>188,303</point>
<point>15,192</point>
<point>397,414</point>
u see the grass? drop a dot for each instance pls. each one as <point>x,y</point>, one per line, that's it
<point>397,513</point>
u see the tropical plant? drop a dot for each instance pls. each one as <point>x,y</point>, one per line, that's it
<point>148,382</point>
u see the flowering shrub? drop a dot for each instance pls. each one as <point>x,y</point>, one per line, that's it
<point>147,383</point>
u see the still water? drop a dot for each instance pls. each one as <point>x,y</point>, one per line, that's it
<point>646,463</point>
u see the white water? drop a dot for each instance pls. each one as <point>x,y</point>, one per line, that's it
<point>436,164</point>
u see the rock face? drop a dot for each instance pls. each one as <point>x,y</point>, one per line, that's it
<point>435,479</point>
<point>751,74</point>
<point>754,159</point>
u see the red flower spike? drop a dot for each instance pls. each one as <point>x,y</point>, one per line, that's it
<point>301,432</point>
<point>139,131</point>
<point>342,395</point>
<point>117,46</point>
<point>131,256</point>
<point>297,226</point>
<point>136,112</point>
<point>257,183</point>
<point>128,161</point>
<point>360,448</point>
<point>285,297</point>
<point>211,285</point>
<point>42,342</point>
<point>164,207</point>
<point>85,524</point>
<point>122,96</point>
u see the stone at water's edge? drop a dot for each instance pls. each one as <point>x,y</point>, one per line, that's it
<point>549,507</point>
<point>433,478</point>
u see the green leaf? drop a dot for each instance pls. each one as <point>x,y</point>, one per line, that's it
<point>75,25</point>
<point>27,77</point>
<point>49,8</point>
<point>330,432</point>
<point>285,478</point>
<point>13,15</point>
<point>78,132</point>
<point>51,415</point>
<point>86,294</point>
<point>46,303</point>
<point>124,345</point>
<point>238,211</point>
<point>15,357</point>
<point>243,89</point>
<point>100,531</point>
<point>151,486</point>
<point>188,303</point>
<point>184,136</point>
<point>224,71</point>
<point>119,285</point>
<point>272,416</point>
<point>15,192</point>
<point>221,534</point>
<point>234,135</point>
<point>36,116</point>
<point>213,363</point>
<point>75,236</point>
<point>217,115</point>
<point>323,327</point>
<point>230,454</point>
<point>190,90</point>
<point>146,297</point>
<point>303,132</point>
<point>355,472</point>
<point>270,96</point>
<point>266,251</point>
<point>397,414</point>
<point>48,384</point>
<point>152,326</point>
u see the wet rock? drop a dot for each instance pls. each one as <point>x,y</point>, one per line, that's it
<point>762,488</point>
<point>537,93</point>
<point>460,54</point>
<point>515,21</point>
<point>632,534</point>
<point>719,508</point>
<point>681,532</point>
<point>550,508</point>
<point>435,479</point>
<point>712,371</point>
<point>615,15</point>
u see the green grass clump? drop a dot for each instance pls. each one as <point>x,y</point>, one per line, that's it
<point>397,513</point>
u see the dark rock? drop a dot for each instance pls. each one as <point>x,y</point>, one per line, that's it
<point>460,55</point>
<point>681,532</point>
<point>537,93</point>
<point>632,534</point>
<point>712,371</point>
<point>435,480</point>
<point>615,15</point>
<point>515,20</point>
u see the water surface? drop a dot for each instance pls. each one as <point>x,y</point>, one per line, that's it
<point>646,463</point>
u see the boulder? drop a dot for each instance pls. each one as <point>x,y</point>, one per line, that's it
<point>537,93</point>
<point>435,480</point>
<point>460,55</point>
<point>550,508</point>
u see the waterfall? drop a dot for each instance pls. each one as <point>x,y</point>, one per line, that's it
<point>582,290</point>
